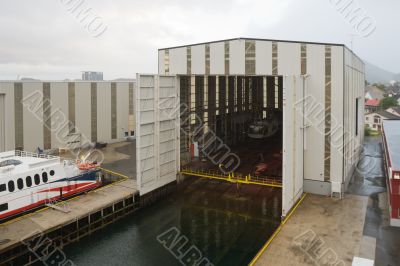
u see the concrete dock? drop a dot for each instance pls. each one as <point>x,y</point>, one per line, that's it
<point>86,213</point>
<point>321,229</point>
<point>70,220</point>
<point>325,231</point>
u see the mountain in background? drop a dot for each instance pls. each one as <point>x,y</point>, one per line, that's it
<point>375,74</point>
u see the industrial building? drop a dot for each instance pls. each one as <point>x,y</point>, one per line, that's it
<point>391,143</point>
<point>92,75</point>
<point>317,88</point>
<point>61,114</point>
<point>313,91</point>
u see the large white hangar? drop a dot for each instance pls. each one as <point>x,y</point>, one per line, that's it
<point>236,86</point>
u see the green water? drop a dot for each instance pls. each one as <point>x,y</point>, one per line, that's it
<point>227,228</point>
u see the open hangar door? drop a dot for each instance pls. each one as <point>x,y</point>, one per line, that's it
<point>157,128</point>
<point>293,126</point>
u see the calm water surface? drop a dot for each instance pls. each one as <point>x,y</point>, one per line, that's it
<point>228,227</point>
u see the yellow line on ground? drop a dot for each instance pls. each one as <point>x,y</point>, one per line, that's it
<point>114,173</point>
<point>255,259</point>
<point>232,180</point>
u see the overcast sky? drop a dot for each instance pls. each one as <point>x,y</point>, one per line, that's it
<point>43,39</point>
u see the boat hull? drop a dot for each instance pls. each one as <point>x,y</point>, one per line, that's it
<point>54,192</point>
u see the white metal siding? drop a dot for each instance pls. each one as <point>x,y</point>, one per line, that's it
<point>33,120</point>
<point>104,111</point>
<point>7,88</point>
<point>198,59</point>
<point>314,113</point>
<point>177,61</point>
<point>59,117</point>
<point>157,127</point>
<point>122,109</point>
<point>289,58</point>
<point>263,58</point>
<point>217,58</point>
<point>292,174</point>
<point>237,57</point>
<point>2,123</point>
<point>161,61</point>
<point>354,88</point>
<point>337,115</point>
<point>82,111</point>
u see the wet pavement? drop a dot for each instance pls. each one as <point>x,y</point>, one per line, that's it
<point>121,158</point>
<point>369,180</point>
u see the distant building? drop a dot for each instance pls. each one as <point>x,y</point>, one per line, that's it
<point>371,105</point>
<point>394,110</point>
<point>374,120</point>
<point>92,75</point>
<point>391,144</point>
<point>60,114</point>
<point>372,92</point>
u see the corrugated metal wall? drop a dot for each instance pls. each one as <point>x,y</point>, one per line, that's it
<point>157,140</point>
<point>2,123</point>
<point>70,110</point>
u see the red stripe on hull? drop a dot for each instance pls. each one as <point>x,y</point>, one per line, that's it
<point>41,202</point>
<point>65,188</point>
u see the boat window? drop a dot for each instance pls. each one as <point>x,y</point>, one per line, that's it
<point>44,177</point>
<point>11,186</point>
<point>9,162</point>
<point>37,179</point>
<point>20,183</point>
<point>3,187</point>
<point>3,207</point>
<point>51,172</point>
<point>28,181</point>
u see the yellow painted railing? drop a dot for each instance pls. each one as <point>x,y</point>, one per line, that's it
<point>234,178</point>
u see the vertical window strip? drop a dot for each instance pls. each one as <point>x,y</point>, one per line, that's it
<point>193,100</point>
<point>265,92</point>
<point>46,116</point>
<point>166,61</point>
<point>207,59</point>
<point>189,60</point>
<point>274,58</point>
<point>205,105</point>
<point>18,116</point>
<point>217,95</point>
<point>328,92</point>
<point>71,107</point>
<point>276,93</point>
<point>303,59</point>
<point>250,57</point>
<point>131,98</point>
<point>226,46</point>
<point>235,96</point>
<point>227,94</point>
<point>113,110</point>
<point>93,110</point>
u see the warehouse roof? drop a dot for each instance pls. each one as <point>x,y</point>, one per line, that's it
<point>254,39</point>
<point>391,130</point>
<point>261,39</point>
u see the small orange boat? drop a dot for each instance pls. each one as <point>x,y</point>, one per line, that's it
<point>87,165</point>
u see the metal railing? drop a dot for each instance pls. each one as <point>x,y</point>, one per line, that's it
<point>234,178</point>
<point>20,153</point>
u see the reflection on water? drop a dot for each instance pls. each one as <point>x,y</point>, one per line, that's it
<point>227,225</point>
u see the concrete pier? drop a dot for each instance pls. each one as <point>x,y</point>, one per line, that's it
<point>86,214</point>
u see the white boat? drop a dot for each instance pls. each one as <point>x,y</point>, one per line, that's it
<point>266,127</point>
<point>29,180</point>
